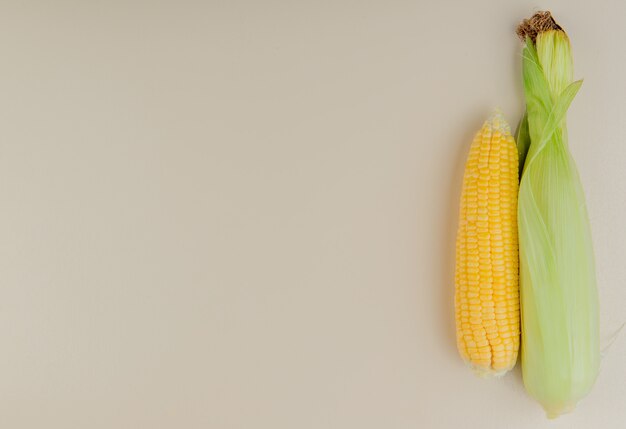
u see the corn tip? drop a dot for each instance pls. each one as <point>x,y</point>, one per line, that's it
<point>496,122</point>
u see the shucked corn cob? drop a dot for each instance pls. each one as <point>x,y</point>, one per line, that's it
<point>487,296</point>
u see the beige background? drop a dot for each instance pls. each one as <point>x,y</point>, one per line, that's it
<point>242,214</point>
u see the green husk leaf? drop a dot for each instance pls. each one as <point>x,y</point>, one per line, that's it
<point>559,302</point>
<point>522,138</point>
<point>555,118</point>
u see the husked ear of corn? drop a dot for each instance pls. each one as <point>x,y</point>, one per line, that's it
<point>559,302</point>
<point>486,277</point>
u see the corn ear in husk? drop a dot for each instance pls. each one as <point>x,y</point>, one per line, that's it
<point>559,303</point>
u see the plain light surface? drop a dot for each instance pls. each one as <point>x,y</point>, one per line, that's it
<point>242,214</point>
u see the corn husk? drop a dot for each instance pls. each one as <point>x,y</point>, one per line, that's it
<point>559,303</point>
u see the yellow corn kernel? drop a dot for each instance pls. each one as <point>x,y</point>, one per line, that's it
<point>486,278</point>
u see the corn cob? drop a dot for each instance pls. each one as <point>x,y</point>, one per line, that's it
<point>486,277</point>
